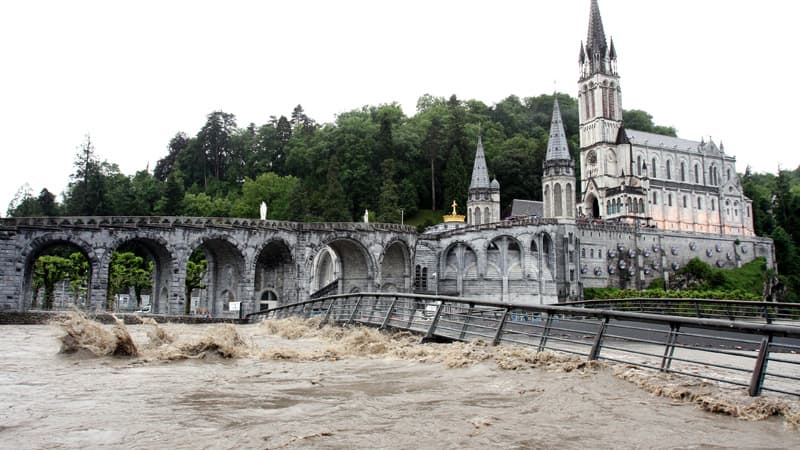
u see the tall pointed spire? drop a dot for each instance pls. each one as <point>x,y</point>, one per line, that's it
<point>596,39</point>
<point>557,144</point>
<point>480,174</point>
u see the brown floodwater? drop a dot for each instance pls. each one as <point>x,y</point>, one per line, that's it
<point>288,385</point>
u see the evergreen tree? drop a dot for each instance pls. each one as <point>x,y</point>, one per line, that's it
<point>456,180</point>
<point>336,208</point>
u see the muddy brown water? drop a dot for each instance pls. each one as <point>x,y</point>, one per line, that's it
<point>219,386</point>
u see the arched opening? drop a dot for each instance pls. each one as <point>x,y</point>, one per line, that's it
<point>487,216</point>
<point>559,212</point>
<point>547,250</point>
<point>547,208</point>
<point>58,276</point>
<point>460,262</point>
<point>570,198</point>
<point>395,267</point>
<point>504,258</point>
<point>139,276</point>
<point>213,278</point>
<point>267,300</point>
<point>275,273</point>
<point>477,216</point>
<point>350,270</point>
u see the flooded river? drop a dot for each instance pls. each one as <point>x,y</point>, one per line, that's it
<point>288,385</point>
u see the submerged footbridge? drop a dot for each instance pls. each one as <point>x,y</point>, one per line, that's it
<point>253,263</point>
<point>728,342</point>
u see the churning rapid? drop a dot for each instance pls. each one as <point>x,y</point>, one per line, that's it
<point>290,384</point>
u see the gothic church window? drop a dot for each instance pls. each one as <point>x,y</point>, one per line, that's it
<point>684,201</point>
<point>683,171</point>
<point>670,199</point>
<point>655,198</point>
<point>699,203</point>
<point>487,216</point>
<point>569,200</point>
<point>713,205</point>
<point>653,168</point>
<point>557,201</point>
<point>641,205</point>
<point>697,174</point>
<point>669,169</point>
<point>639,165</point>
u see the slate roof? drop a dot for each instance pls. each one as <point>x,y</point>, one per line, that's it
<point>526,208</point>
<point>480,173</point>
<point>557,144</point>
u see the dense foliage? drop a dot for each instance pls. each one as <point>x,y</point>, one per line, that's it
<point>699,280</point>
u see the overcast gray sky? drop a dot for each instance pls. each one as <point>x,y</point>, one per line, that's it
<point>132,74</point>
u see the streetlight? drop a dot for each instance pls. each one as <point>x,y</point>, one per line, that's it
<point>435,282</point>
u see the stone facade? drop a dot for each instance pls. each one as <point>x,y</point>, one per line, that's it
<point>249,261</point>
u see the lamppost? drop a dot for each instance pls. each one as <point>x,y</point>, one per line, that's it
<point>435,282</point>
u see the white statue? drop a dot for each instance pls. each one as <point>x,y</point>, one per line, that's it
<point>366,216</point>
<point>263,211</point>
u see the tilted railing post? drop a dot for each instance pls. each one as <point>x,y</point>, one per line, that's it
<point>499,331</point>
<point>669,346</point>
<point>595,353</point>
<point>760,369</point>
<point>697,312</point>
<point>327,313</point>
<point>355,310</point>
<point>545,332</point>
<point>434,322</point>
<point>388,314</point>
<point>463,333</point>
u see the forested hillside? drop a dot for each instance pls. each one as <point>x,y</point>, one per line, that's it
<point>373,158</point>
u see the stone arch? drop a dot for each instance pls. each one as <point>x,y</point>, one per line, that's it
<point>459,263</point>
<point>354,267</point>
<point>504,257</point>
<point>548,251</point>
<point>593,205</point>
<point>36,247</point>
<point>477,216</point>
<point>225,274</point>
<point>395,266</point>
<point>275,271</point>
<point>157,249</point>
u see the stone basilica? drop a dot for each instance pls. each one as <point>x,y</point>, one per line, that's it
<point>648,204</point>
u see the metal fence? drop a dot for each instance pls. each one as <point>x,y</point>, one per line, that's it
<point>736,310</point>
<point>757,356</point>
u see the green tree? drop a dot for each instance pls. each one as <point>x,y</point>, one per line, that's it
<point>86,190</point>
<point>456,180</point>
<point>128,271</point>
<point>48,270</point>
<point>170,202</point>
<point>196,269</point>
<point>274,190</point>
<point>389,202</point>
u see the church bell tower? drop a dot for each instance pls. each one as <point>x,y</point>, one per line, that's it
<point>600,115</point>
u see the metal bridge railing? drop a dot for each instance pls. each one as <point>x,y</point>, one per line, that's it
<point>757,356</point>
<point>753,311</point>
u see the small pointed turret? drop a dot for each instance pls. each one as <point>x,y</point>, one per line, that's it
<point>582,55</point>
<point>557,144</point>
<point>612,53</point>
<point>480,173</point>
